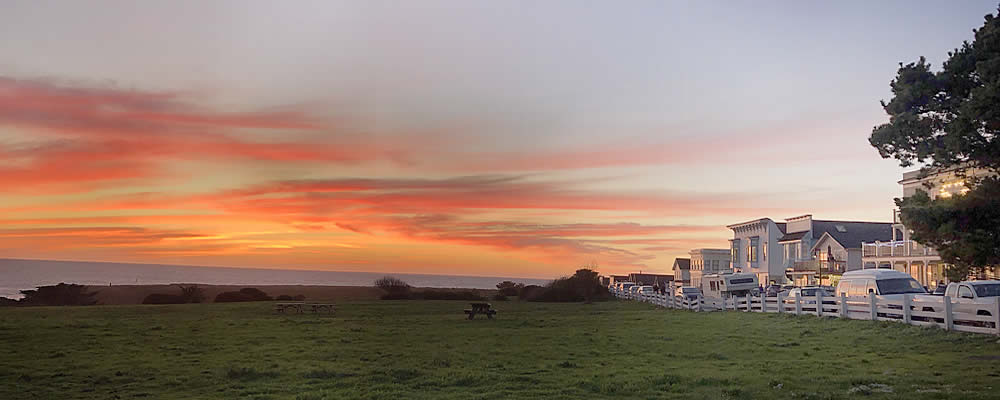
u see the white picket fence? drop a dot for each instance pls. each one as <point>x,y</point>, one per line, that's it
<point>979,316</point>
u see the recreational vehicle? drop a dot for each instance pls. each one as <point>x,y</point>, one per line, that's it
<point>728,285</point>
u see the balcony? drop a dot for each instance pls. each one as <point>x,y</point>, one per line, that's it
<point>899,248</point>
<point>824,267</point>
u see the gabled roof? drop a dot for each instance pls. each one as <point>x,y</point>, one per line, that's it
<point>682,263</point>
<point>852,234</point>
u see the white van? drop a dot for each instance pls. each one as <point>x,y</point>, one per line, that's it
<point>882,282</point>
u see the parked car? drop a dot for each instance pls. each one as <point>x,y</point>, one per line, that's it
<point>773,290</point>
<point>623,286</point>
<point>807,295</point>
<point>644,290</point>
<point>939,290</point>
<point>689,292</point>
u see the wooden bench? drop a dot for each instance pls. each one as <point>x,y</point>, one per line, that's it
<point>299,308</point>
<point>481,308</point>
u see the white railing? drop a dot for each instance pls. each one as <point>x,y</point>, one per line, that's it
<point>977,316</point>
<point>899,248</point>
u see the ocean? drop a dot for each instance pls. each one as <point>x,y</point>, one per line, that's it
<point>17,275</point>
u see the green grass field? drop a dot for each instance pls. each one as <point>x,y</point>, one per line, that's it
<point>427,349</point>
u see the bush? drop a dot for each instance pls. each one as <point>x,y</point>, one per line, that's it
<point>286,297</point>
<point>500,297</point>
<point>255,294</point>
<point>508,288</point>
<point>584,285</point>
<point>529,292</point>
<point>62,294</point>
<point>192,294</point>
<point>394,287</point>
<point>245,294</point>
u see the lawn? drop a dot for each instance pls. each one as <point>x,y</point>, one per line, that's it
<point>427,349</point>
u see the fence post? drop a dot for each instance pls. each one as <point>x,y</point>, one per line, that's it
<point>949,319</point>
<point>874,306</point>
<point>749,309</point>
<point>763,303</point>
<point>700,300</point>
<point>798,304</point>
<point>906,309</point>
<point>819,303</point>
<point>996,314</point>
<point>781,304</point>
<point>843,306</point>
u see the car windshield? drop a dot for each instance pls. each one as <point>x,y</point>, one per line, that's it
<point>812,292</point>
<point>899,286</point>
<point>991,290</point>
<point>691,290</point>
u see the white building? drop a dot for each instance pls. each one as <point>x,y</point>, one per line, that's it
<point>900,252</point>
<point>682,272</point>
<point>708,261</point>
<point>755,249</point>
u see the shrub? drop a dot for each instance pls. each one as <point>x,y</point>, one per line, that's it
<point>231,297</point>
<point>529,292</point>
<point>192,294</point>
<point>245,294</point>
<point>255,294</point>
<point>584,285</point>
<point>286,297</point>
<point>62,294</point>
<point>508,288</point>
<point>500,297</point>
<point>394,288</point>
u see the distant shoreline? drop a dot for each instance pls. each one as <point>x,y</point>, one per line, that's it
<point>133,294</point>
<point>21,274</point>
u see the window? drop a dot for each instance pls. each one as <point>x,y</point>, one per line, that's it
<point>752,249</point>
<point>763,252</point>
<point>735,250</point>
<point>904,285</point>
<point>844,289</point>
<point>964,292</point>
<point>990,290</point>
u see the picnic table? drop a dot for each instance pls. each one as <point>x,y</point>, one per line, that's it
<point>481,308</point>
<point>300,307</point>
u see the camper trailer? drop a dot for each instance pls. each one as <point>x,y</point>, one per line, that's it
<point>728,285</point>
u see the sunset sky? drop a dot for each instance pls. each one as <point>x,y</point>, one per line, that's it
<point>498,138</point>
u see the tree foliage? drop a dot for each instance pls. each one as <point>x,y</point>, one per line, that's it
<point>950,121</point>
<point>964,229</point>
<point>584,285</point>
<point>509,288</point>
<point>63,294</point>
<point>395,288</point>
